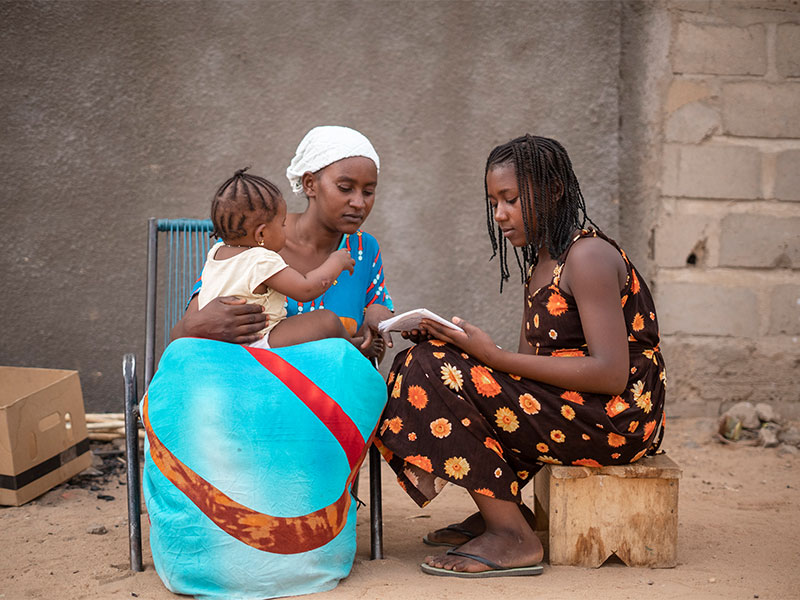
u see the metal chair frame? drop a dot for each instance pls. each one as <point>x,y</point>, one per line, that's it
<point>183,269</point>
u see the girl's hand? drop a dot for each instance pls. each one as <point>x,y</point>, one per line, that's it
<point>415,336</point>
<point>473,340</point>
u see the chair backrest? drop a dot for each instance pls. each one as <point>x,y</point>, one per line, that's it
<point>186,243</point>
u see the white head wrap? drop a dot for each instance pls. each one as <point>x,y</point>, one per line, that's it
<point>325,145</point>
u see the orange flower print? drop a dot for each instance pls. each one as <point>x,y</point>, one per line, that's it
<point>523,475</point>
<point>568,352</point>
<point>484,382</point>
<point>639,455</point>
<point>650,354</point>
<point>412,437</point>
<point>514,488</point>
<point>542,447</point>
<point>439,355</point>
<point>549,460</point>
<point>634,283</point>
<point>633,370</point>
<point>638,322</point>
<point>568,412</point>
<point>464,355</point>
<point>641,397</point>
<point>631,338</point>
<point>553,334</point>
<point>408,359</point>
<point>398,385</point>
<point>498,473</point>
<point>390,379</point>
<point>441,428</point>
<point>465,422</point>
<point>485,492</point>
<point>529,404</point>
<point>423,462</point>
<point>395,425</point>
<point>536,320</point>
<point>633,426</point>
<point>456,467</point>
<point>514,377</point>
<point>573,397</point>
<point>417,397</point>
<point>436,343</point>
<point>585,437</point>
<point>648,429</point>
<point>506,419</point>
<point>616,455</point>
<point>492,444</point>
<point>558,436</point>
<point>624,300</point>
<point>613,407</point>
<point>663,377</point>
<point>586,462</point>
<point>652,316</point>
<point>384,426</point>
<point>451,377</point>
<point>615,441</point>
<point>556,305</point>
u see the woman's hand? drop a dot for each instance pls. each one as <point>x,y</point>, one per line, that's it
<point>473,340</point>
<point>226,319</point>
<point>375,343</point>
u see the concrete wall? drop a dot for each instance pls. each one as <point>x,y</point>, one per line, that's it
<point>116,111</point>
<point>682,118</point>
<point>726,243</point>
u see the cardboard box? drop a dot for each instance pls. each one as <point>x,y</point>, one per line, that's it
<point>43,438</point>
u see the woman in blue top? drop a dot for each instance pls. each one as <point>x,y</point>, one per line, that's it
<point>336,168</point>
<point>251,453</point>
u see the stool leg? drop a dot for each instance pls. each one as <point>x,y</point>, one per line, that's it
<point>375,504</point>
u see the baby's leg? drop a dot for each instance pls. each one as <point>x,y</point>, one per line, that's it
<point>308,327</point>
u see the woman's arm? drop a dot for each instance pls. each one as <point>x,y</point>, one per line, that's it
<point>595,287</point>
<point>303,288</point>
<point>226,319</point>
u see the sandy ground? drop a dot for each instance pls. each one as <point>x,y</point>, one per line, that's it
<point>739,537</point>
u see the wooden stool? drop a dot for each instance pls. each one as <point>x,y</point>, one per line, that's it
<point>627,510</point>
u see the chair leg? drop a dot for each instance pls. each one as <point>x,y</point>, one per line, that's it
<point>132,462</point>
<point>375,504</point>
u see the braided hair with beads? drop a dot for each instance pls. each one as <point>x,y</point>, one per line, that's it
<point>548,189</point>
<point>237,199</point>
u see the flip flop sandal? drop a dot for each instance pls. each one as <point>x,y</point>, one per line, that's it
<point>455,529</point>
<point>496,570</point>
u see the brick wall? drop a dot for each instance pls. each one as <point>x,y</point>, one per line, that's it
<point>727,240</point>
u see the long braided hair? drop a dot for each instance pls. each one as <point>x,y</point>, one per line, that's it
<point>548,189</point>
<point>237,199</point>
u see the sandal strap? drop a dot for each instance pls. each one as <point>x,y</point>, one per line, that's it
<point>476,558</point>
<point>456,528</point>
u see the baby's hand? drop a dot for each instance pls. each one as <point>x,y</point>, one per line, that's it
<point>343,258</point>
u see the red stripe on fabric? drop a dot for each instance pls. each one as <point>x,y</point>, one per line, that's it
<point>323,406</point>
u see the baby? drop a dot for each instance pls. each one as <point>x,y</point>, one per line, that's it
<point>249,216</point>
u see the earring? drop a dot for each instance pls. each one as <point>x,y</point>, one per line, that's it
<point>261,243</point>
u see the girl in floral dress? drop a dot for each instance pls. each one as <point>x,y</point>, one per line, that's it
<point>586,386</point>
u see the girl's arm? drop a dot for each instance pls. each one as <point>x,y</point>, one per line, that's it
<point>594,277</point>
<point>226,319</point>
<point>303,288</point>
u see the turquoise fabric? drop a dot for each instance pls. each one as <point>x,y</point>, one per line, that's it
<point>275,452</point>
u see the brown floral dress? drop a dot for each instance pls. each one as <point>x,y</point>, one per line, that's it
<point>452,419</point>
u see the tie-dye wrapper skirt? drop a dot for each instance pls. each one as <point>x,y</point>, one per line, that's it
<point>250,457</point>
